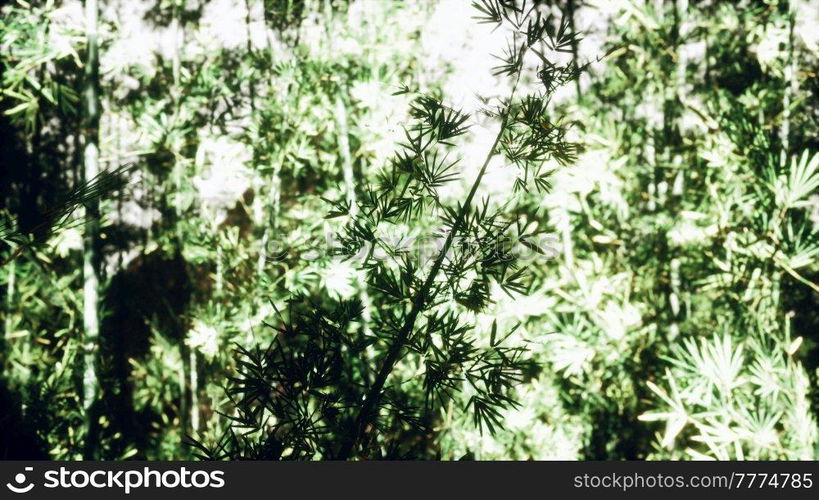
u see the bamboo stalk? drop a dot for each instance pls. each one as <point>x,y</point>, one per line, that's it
<point>349,188</point>
<point>194,384</point>
<point>791,85</point>
<point>8,322</point>
<point>570,7</point>
<point>271,211</point>
<point>91,262</point>
<point>678,189</point>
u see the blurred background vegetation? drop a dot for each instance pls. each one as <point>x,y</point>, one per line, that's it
<point>679,319</point>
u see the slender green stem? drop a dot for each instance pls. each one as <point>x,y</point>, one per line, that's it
<point>91,261</point>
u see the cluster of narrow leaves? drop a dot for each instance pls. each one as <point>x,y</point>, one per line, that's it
<point>743,269</point>
<point>34,228</point>
<point>327,388</point>
<point>749,398</point>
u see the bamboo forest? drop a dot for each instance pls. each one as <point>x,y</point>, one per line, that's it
<point>426,229</point>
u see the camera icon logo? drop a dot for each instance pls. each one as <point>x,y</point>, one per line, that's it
<point>20,479</point>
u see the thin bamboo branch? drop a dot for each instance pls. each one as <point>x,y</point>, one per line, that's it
<point>9,322</point>
<point>367,414</point>
<point>798,277</point>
